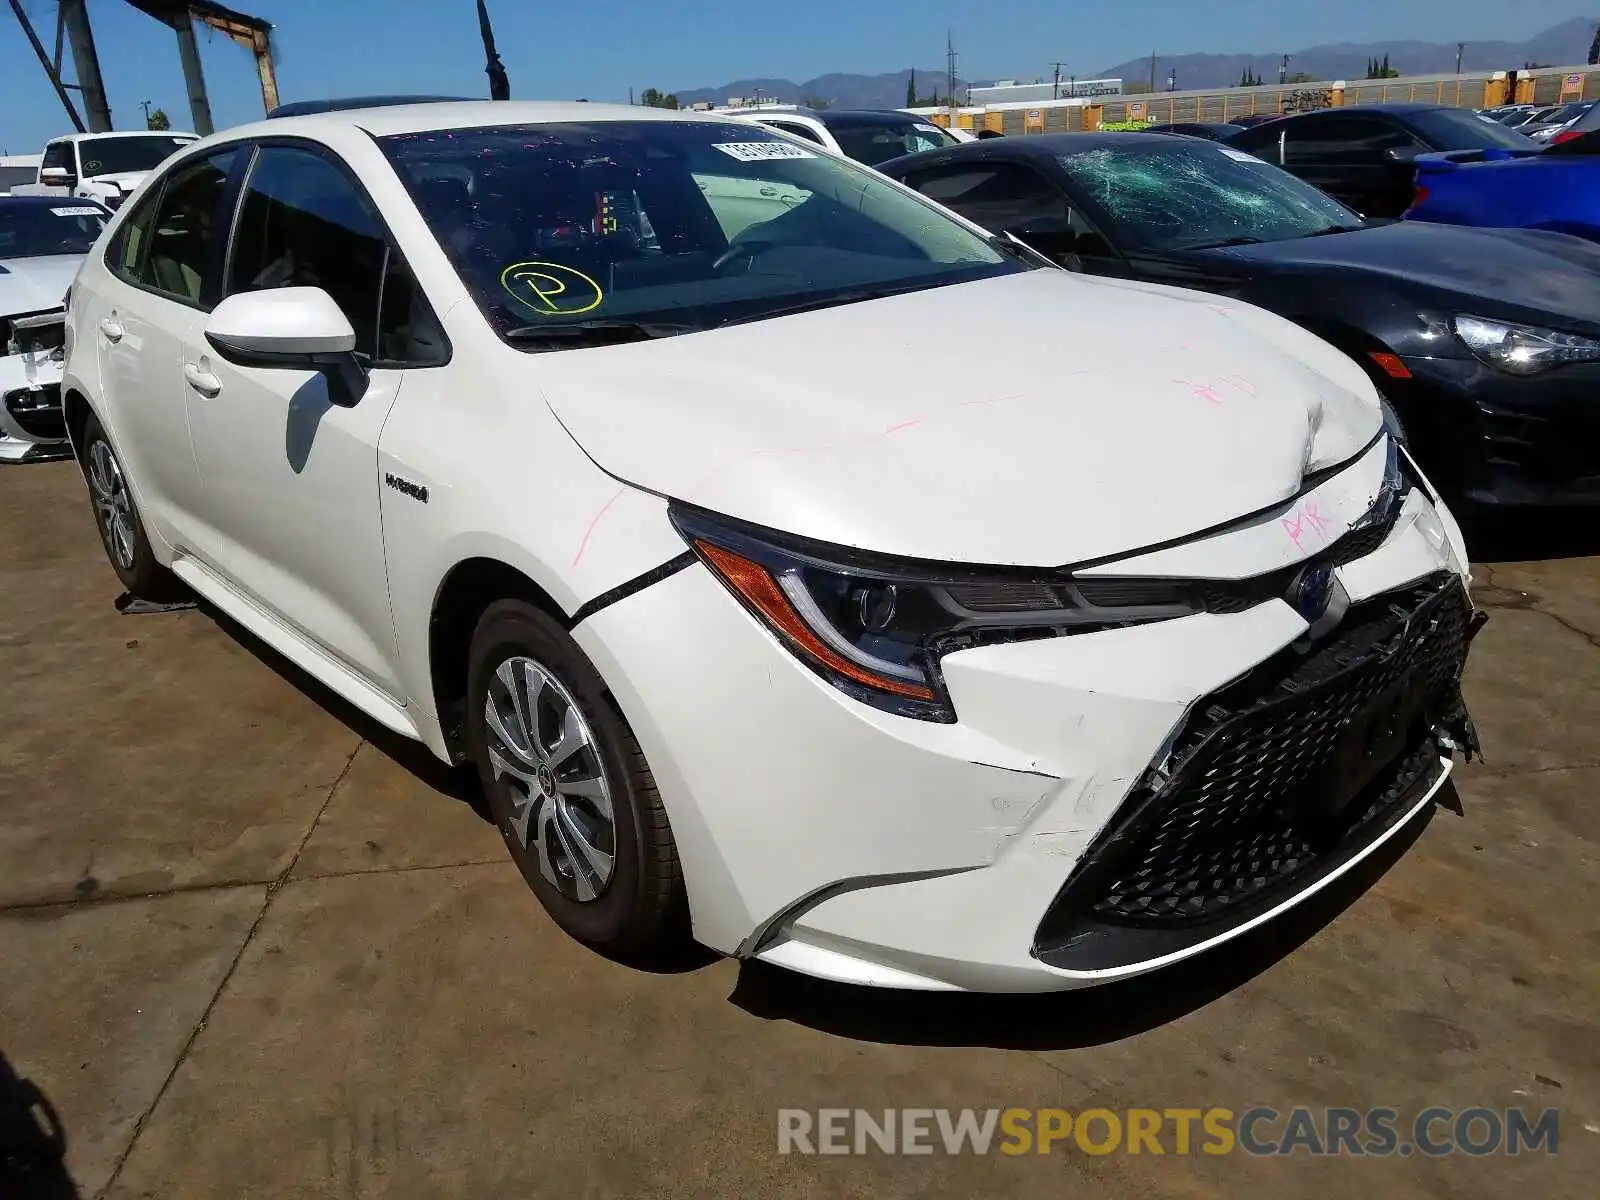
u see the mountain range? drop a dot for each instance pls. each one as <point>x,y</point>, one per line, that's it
<point>1560,45</point>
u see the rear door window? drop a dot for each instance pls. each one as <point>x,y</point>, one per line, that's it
<point>183,238</point>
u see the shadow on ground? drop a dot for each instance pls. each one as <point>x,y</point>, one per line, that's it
<point>1525,537</point>
<point>1063,1020</point>
<point>457,783</point>
<point>33,1145</point>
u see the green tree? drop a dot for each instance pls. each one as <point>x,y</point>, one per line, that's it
<point>1249,79</point>
<point>158,120</point>
<point>816,102</point>
<point>911,90</point>
<point>1594,47</point>
<point>653,98</point>
<point>1300,77</point>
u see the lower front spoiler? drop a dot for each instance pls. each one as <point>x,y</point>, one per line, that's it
<point>825,958</point>
<point>15,450</point>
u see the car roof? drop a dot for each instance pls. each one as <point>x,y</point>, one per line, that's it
<point>299,108</point>
<point>399,119</point>
<point>124,133</point>
<point>1397,109</point>
<point>51,201</point>
<point>389,120</point>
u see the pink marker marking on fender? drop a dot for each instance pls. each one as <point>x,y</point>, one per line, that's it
<point>1241,384</point>
<point>905,425</point>
<point>1294,528</point>
<point>604,509</point>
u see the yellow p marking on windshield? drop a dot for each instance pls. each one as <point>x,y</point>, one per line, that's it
<point>551,289</point>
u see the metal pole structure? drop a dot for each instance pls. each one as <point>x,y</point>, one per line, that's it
<point>193,77</point>
<point>499,81</point>
<point>81,38</point>
<point>1461,49</point>
<point>1055,89</point>
<point>44,61</point>
<point>262,49</point>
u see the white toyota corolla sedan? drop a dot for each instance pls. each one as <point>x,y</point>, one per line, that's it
<point>620,453</point>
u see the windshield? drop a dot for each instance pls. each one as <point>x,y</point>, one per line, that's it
<point>875,138</point>
<point>31,229</point>
<point>1462,129</point>
<point>114,155</point>
<point>682,224</point>
<point>1188,195</point>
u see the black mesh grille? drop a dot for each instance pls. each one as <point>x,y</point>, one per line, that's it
<point>1275,775</point>
<point>37,411</point>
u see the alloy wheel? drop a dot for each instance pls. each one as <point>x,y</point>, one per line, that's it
<point>543,752</point>
<point>112,504</point>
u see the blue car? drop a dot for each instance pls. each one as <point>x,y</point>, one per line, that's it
<point>1557,188</point>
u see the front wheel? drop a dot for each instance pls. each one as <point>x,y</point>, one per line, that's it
<point>569,786</point>
<point>116,516</point>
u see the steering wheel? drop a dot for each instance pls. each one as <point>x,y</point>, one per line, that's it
<point>745,248</point>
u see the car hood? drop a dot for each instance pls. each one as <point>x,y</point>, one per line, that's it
<point>35,284</point>
<point>126,181</point>
<point>1532,270</point>
<point>1036,419</point>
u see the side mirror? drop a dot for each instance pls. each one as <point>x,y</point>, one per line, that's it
<point>57,176</point>
<point>292,328</point>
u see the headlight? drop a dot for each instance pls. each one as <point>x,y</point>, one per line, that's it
<point>877,629</point>
<point>1524,349</point>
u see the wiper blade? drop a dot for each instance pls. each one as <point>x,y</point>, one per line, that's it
<point>831,300</point>
<point>1233,241</point>
<point>1324,232</point>
<point>1015,248</point>
<point>564,334</point>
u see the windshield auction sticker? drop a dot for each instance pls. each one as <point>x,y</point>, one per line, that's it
<point>762,151</point>
<point>551,289</point>
<point>81,211</point>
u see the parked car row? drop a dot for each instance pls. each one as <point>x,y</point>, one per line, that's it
<point>1437,164</point>
<point>606,449</point>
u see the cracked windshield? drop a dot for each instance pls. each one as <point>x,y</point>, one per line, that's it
<point>1189,197</point>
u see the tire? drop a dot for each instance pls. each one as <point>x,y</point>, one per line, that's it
<point>116,516</point>
<point>550,810</point>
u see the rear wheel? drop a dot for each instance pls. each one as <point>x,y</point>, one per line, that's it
<point>569,786</point>
<point>116,516</point>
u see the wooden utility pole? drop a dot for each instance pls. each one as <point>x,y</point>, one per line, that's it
<point>950,72</point>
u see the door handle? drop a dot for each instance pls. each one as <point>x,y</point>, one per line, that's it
<point>111,330</point>
<point>204,382</point>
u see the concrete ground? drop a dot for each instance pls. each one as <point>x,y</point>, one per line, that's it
<point>250,947</point>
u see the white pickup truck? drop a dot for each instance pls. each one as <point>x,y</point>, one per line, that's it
<point>103,167</point>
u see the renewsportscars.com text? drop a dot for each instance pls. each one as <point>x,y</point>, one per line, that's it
<point>1318,1132</point>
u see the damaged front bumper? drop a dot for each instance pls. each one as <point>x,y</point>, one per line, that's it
<point>1106,803</point>
<point>32,424</point>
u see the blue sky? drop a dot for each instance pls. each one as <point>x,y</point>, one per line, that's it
<point>599,50</point>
